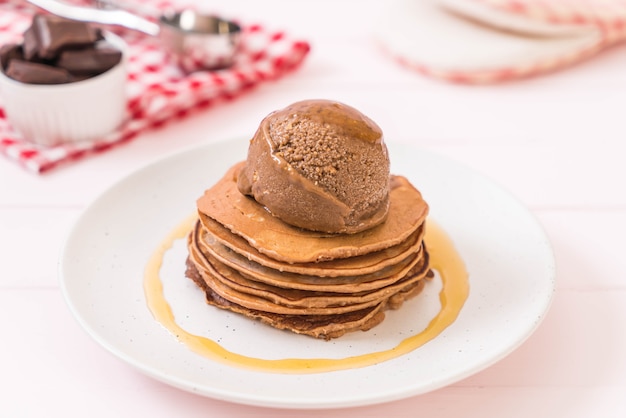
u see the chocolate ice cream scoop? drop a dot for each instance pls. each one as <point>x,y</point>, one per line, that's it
<point>319,165</point>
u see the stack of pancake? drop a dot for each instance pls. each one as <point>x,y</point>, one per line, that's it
<point>313,283</point>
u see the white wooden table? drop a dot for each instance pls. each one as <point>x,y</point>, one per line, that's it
<point>557,142</point>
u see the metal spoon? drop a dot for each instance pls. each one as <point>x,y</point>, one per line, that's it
<point>195,41</point>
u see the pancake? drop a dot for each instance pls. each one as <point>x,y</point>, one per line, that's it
<point>222,243</point>
<point>317,326</point>
<point>232,285</point>
<point>248,268</point>
<point>308,282</point>
<point>269,235</point>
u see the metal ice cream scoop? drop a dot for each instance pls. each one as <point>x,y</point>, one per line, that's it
<point>195,41</point>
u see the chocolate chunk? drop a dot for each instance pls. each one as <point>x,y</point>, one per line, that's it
<point>9,52</point>
<point>30,44</point>
<point>55,50</point>
<point>90,61</point>
<point>36,73</point>
<point>55,34</point>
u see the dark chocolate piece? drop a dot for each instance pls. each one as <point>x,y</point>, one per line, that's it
<point>91,61</point>
<point>56,34</point>
<point>55,50</point>
<point>9,52</point>
<point>30,44</point>
<point>36,73</point>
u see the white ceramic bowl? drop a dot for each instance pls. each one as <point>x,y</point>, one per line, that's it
<point>52,114</point>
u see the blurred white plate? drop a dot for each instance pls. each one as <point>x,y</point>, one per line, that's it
<point>430,37</point>
<point>506,252</point>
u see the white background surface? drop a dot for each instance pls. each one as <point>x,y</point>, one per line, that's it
<point>555,141</point>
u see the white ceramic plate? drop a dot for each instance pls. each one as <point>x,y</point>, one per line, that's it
<point>506,252</point>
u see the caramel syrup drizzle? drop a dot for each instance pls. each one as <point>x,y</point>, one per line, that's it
<point>443,258</point>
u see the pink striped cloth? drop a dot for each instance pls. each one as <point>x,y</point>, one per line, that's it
<point>605,17</point>
<point>610,15</point>
<point>158,92</point>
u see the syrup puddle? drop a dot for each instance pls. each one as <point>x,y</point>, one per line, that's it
<point>179,305</point>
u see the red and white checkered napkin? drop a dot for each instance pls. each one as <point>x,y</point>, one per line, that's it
<point>484,41</point>
<point>158,92</point>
